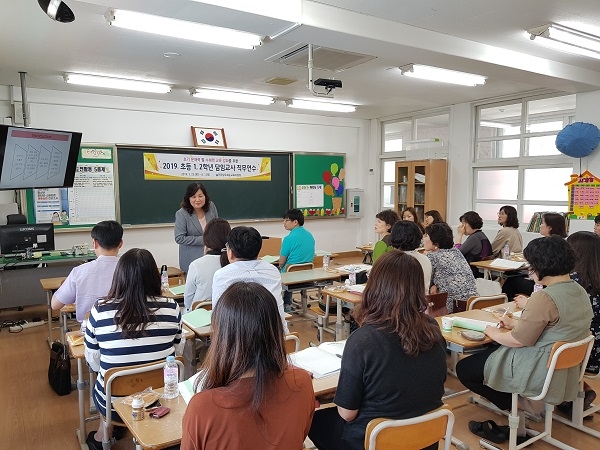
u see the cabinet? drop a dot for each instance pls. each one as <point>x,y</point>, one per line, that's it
<point>421,185</point>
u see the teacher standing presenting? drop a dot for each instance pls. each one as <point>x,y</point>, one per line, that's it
<point>196,211</point>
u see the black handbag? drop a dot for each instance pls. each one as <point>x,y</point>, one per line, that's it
<point>59,370</point>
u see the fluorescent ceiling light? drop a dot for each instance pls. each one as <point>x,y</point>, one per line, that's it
<point>441,75</point>
<point>228,96</point>
<point>116,83</point>
<point>182,29</point>
<point>320,106</point>
<point>567,40</point>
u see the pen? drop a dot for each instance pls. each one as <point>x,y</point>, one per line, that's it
<point>502,317</point>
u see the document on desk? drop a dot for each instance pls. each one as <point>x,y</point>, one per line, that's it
<point>270,259</point>
<point>357,267</point>
<point>197,318</point>
<point>472,324</point>
<point>507,264</point>
<point>335,348</point>
<point>357,288</point>
<point>177,290</point>
<point>186,388</point>
<point>317,361</point>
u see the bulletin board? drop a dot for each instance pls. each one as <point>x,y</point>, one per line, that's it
<point>153,180</point>
<point>319,184</point>
<point>89,201</point>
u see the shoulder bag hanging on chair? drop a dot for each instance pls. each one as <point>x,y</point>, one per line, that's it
<point>59,370</point>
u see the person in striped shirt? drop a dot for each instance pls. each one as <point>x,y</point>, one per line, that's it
<point>132,325</point>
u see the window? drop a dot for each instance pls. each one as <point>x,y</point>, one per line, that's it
<point>516,160</point>
<point>402,139</point>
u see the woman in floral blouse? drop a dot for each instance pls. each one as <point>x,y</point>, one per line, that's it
<point>450,271</point>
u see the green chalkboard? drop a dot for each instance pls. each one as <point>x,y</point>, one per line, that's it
<point>155,201</point>
<point>319,184</point>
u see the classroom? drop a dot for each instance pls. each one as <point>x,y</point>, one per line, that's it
<point>363,44</point>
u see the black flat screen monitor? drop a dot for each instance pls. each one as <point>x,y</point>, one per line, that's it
<point>35,158</point>
<point>17,238</point>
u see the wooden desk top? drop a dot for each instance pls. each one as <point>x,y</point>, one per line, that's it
<point>76,351</point>
<point>487,265</point>
<point>52,284</point>
<point>155,433</point>
<point>325,385</point>
<point>454,335</point>
<point>365,248</point>
<point>345,296</point>
<point>306,276</point>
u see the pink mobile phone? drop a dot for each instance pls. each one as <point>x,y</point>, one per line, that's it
<point>159,412</point>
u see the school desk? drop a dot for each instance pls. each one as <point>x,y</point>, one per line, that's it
<point>302,280</point>
<point>50,285</point>
<point>499,272</point>
<point>19,278</point>
<point>367,251</point>
<point>344,298</point>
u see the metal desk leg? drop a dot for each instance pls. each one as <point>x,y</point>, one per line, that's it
<point>49,301</point>
<point>80,396</point>
<point>339,324</point>
<point>64,327</point>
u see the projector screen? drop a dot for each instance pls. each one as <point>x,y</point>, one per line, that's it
<point>34,158</point>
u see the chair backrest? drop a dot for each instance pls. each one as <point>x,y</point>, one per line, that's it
<point>296,267</point>
<point>565,355</point>
<point>292,342</point>
<point>16,219</point>
<point>436,304</point>
<point>411,434</point>
<point>270,246</point>
<point>486,301</point>
<point>486,249</point>
<point>127,380</point>
<point>204,304</point>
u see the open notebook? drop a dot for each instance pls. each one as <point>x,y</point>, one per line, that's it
<point>197,318</point>
<point>321,361</point>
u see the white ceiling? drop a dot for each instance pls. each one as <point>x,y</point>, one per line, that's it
<point>478,36</point>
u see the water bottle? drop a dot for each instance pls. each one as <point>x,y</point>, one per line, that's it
<point>325,262</point>
<point>164,278</point>
<point>506,251</point>
<point>171,374</point>
<point>352,275</point>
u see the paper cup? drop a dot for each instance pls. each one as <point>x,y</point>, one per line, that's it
<point>447,323</point>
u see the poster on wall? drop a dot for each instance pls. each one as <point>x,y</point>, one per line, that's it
<point>89,201</point>
<point>584,196</point>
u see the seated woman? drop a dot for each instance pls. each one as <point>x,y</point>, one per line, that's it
<point>383,224</point>
<point>477,246</point>
<point>406,236</point>
<point>249,396</point>
<point>559,312</point>
<point>411,215</point>
<point>450,272</point>
<point>508,220</point>
<point>198,282</point>
<point>586,246</point>
<point>520,287</point>
<point>432,216</point>
<point>132,325</point>
<point>393,366</point>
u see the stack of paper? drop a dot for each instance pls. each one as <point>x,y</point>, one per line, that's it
<point>197,318</point>
<point>317,361</point>
<point>507,264</point>
<point>472,324</point>
<point>357,288</point>
<point>357,267</point>
<point>186,388</point>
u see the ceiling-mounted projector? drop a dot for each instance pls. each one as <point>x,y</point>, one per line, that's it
<point>328,84</point>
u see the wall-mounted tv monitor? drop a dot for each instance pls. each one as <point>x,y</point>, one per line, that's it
<point>35,158</point>
<point>17,238</point>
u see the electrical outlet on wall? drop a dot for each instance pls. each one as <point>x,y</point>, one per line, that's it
<point>18,113</point>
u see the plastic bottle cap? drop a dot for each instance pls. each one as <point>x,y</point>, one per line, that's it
<point>170,358</point>
<point>137,402</point>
